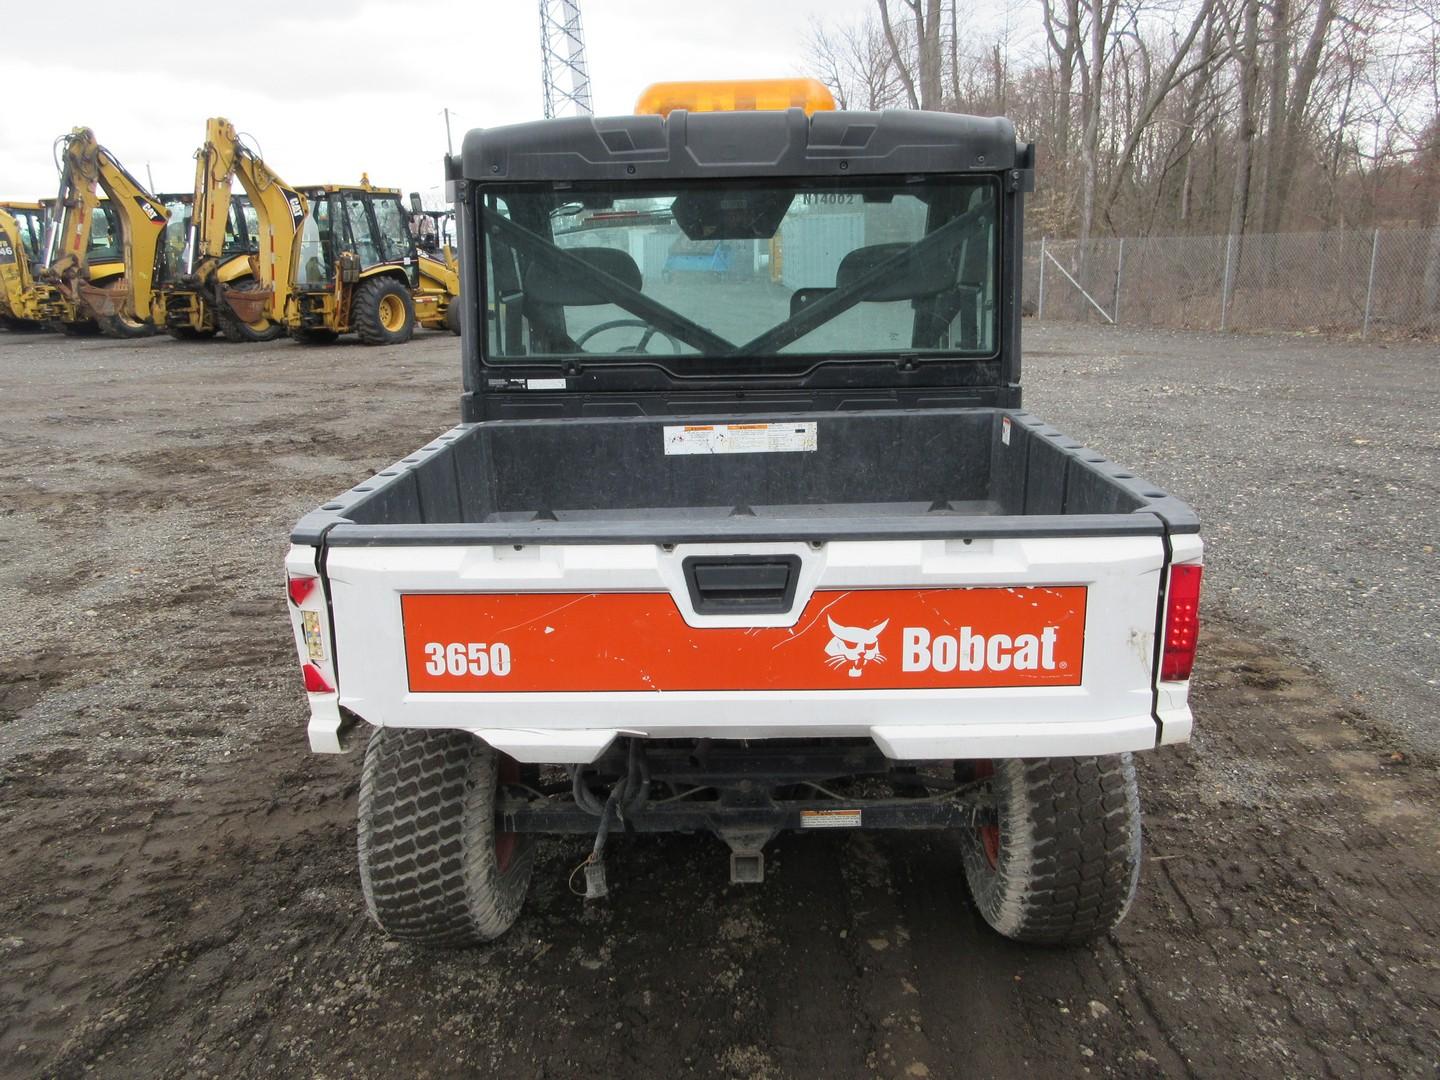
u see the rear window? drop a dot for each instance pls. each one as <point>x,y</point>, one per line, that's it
<point>702,272</point>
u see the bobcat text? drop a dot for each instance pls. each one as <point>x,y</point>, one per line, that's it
<point>970,651</point>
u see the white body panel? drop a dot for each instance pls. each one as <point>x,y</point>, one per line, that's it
<point>1113,709</point>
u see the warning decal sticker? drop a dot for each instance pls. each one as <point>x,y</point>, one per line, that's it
<point>740,438</point>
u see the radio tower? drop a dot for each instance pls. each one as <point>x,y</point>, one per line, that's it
<point>562,59</point>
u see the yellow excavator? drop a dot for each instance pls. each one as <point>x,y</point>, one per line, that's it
<point>27,301</point>
<point>120,304</point>
<point>358,270</point>
<point>204,285</point>
<point>242,237</point>
<point>22,230</point>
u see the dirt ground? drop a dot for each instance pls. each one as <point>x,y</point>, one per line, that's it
<point>178,893</point>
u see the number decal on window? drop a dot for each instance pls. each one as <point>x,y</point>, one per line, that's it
<point>473,658</point>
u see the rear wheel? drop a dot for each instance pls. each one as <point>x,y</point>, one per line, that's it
<point>383,312</point>
<point>1059,861</point>
<point>312,335</point>
<point>234,329</point>
<point>452,315</point>
<point>434,868</point>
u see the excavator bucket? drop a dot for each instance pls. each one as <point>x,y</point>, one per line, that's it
<point>250,305</point>
<point>104,301</point>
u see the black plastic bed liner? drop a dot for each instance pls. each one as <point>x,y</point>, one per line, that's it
<point>891,474</point>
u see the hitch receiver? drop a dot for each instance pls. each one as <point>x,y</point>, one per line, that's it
<point>747,854</point>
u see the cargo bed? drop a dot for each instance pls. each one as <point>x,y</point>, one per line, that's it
<point>886,474</point>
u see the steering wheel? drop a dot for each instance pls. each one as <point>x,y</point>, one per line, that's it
<point>638,347</point>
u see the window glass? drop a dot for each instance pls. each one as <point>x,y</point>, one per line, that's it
<point>234,238</point>
<point>877,266</point>
<point>316,255</point>
<point>252,225</point>
<point>506,326</point>
<point>172,258</point>
<point>362,237</point>
<point>106,244</point>
<point>394,229</point>
<point>32,228</point>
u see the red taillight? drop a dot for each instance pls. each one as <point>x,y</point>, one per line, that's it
<point>301,587</point>
<point>1182,622</point>
<point>315,681</point>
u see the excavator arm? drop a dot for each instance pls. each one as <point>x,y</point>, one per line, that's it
<point>280,211</point>
<point>86,166</point>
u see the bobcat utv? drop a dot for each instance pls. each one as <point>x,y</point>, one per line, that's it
<point>771,550</point>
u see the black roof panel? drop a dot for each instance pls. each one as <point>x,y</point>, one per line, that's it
<point>696,145</point>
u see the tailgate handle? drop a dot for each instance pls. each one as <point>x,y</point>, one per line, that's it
<point>748,584</point>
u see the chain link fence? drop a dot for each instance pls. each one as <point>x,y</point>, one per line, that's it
<point>1370,283</point>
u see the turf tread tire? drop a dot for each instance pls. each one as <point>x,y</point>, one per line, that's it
<point>1070,849</point>
<point>426,840</point>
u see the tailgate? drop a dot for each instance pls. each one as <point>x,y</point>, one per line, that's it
<point>934,648</point>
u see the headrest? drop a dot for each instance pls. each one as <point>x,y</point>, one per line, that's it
<point>570,287</point>
<point>928,274</point>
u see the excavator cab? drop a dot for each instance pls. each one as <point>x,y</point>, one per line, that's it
<point>22,231</point>
<point>242,238</point>
<point>434,232</point>
<point>30,221</point>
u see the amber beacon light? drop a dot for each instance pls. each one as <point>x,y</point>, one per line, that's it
<point>736,95</point>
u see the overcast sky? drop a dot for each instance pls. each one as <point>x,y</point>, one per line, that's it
<point>330,90</point>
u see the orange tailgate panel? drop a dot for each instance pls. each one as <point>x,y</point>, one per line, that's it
<point>845,640</point>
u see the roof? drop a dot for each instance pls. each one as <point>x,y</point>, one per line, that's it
<point>698,145</point>
<point>313,189</point>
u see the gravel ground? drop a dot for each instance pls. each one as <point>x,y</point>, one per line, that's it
<point>180,896</point>
<point>1316,471</point>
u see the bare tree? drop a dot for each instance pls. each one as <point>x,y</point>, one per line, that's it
<point>855,62</point>
<point>1182,64</point>
<point>1245,47</point>
<point>919,68</point>
<point>1246,115</point>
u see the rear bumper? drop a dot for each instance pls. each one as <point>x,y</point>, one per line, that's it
<point>900,740</point>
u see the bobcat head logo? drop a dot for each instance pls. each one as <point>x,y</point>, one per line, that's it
<point>854,645</point>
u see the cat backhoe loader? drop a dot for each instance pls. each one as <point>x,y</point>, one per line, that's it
<point>193,319</point>
<point>27,301</point>
<point>121,305</point>
<point>206,286</point>
<point>22,229</point>
<point>358,270</point>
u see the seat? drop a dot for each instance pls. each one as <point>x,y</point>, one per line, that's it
<point>549,289</point>
<point>568,286</point>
